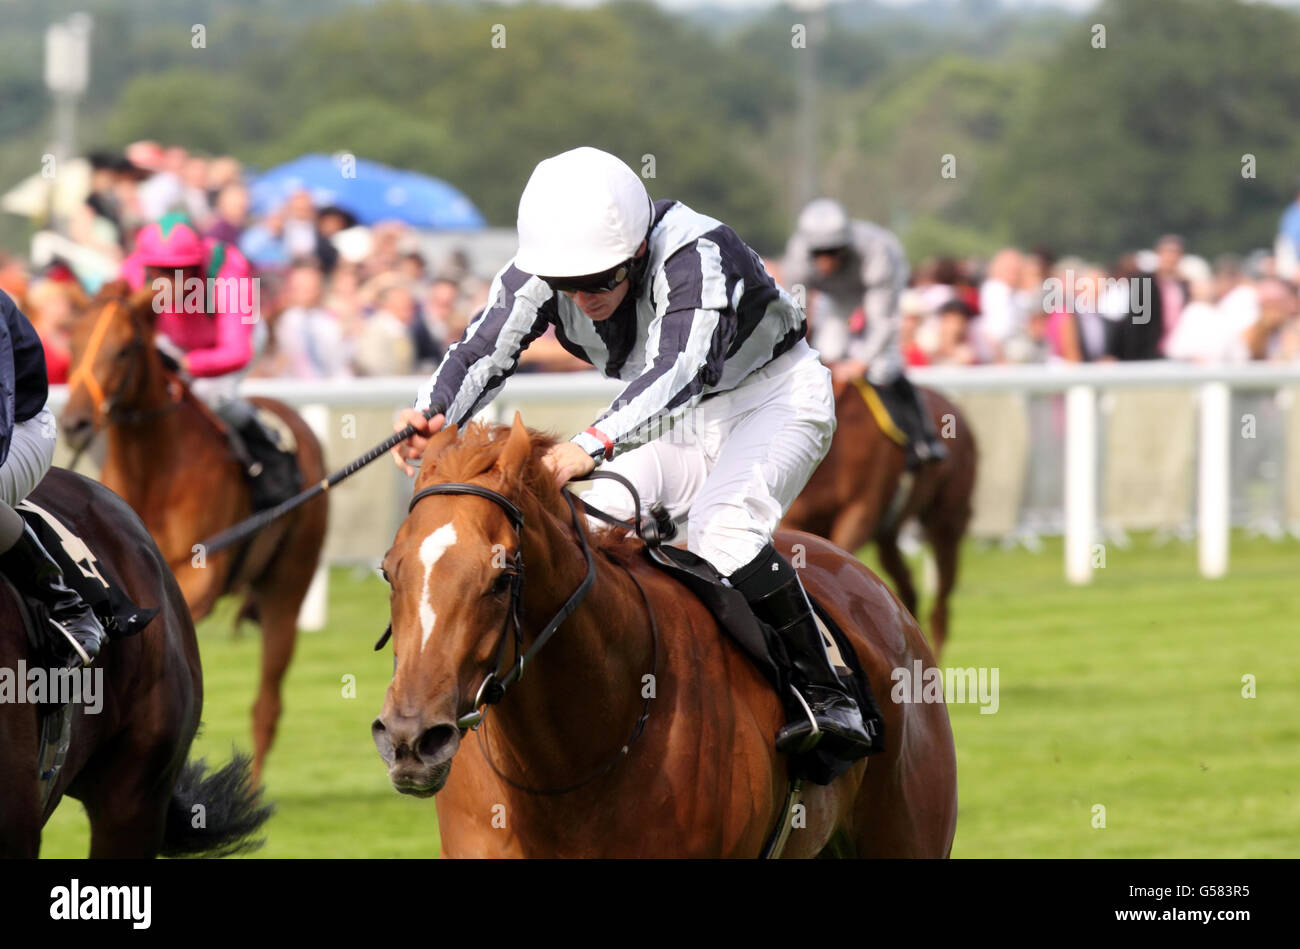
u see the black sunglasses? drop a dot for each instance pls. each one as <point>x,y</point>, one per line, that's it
<point>602,282</point>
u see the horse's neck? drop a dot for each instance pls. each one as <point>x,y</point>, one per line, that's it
<point>576,703</point>
<point>146,457</point>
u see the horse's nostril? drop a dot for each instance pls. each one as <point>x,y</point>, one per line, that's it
<point>434,741</point>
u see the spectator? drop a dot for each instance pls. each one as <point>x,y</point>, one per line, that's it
<point>309,339</point>
<point>1001,306</point>
<point>954,347</point>
<point>1273,334</point>
<point>230,219</point>
<point>164,190</point>
<point>444,312</point>
<point>1133,305</point>
<point>1077,331</point>
<point>194,192</point>
<point>1287,245</point>
<point>385,345</point>
<point>1170,284</point>
<point>913,316</point>
<point>412,267</point>
<point>1203,334</point>
<point>1238,304</point>
<point>53,304</point>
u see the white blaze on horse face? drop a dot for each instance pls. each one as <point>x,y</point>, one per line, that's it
<point>431,549</point>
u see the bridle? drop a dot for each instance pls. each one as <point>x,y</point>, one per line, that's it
<point>494,686</point>
<point>105,406</point>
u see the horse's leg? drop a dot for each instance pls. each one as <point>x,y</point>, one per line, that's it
<point>20,798</point>
<point>130,828</point>
<point>126,789</point>
<point>279,621</point>
<point>891,559</point>
<point>945,541</point>
<point>854,526</point>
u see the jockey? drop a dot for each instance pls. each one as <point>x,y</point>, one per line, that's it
<point>207,337</point>
<point>27,435</point>
<point>856,265</point>
<point>675,305</point>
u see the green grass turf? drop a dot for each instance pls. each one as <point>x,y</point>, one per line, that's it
<point>1126,693</point>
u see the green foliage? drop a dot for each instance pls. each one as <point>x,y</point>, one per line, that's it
<point>1148,134</point>
<point>1086,150</point>
<point>204,111</point>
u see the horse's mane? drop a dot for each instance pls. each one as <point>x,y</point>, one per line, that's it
<point>475,452</point>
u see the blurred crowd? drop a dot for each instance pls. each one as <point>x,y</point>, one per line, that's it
<point>340,299</point>
<point>1034,307</point>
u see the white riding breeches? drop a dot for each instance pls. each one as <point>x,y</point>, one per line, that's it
<point>735,463</point>
<point>31,452</point>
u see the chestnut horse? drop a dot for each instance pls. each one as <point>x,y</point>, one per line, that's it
<point>852,497</point>
<point>552,771</point>
<point>169,458</point>
<point>126,761</point>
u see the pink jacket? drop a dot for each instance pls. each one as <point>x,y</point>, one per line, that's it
<point>218,342</point>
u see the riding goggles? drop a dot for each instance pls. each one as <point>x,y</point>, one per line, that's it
<point>602,282</point>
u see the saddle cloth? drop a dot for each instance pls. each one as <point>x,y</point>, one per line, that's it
<point>766,650</point>
<point>878,399</point>
<point>271,443</point>
<point>84,572</point>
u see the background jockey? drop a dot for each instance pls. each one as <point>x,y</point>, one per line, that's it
<point>857,265</point>
<point>207,337</point>
<point>27,436</point>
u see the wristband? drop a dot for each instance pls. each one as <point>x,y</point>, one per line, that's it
<point>596,433</point>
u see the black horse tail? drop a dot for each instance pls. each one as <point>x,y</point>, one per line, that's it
<point>217,814</point>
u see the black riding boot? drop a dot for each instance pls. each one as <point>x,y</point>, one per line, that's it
<point>34,571</point>
<point>238,414</point>
<point>923,441</point>
<point>830,715</point>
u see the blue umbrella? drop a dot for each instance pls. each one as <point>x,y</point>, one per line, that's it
<point>370,191</point>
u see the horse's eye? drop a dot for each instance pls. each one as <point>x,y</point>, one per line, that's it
<point>384,573</point>
<point>500,584</point>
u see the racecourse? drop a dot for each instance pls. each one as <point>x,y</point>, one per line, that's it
<point>1125,694</point>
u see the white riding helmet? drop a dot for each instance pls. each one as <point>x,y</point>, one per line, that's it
<point>582,212</point>
<point>825,225</point>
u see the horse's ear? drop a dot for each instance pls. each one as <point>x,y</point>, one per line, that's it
<point>143,311</point>
<point>519,445</point>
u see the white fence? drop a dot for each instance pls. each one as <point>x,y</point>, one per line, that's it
<point>1055,442</point>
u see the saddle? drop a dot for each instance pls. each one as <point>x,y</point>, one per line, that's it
<point>82,571</point>
<point>116,612</point>
<point>767,652</point>
<point>268,452</point>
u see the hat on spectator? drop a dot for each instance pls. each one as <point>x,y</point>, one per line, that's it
<point>354,244</point>
<point>911,303</point>
<point>1194,269</point>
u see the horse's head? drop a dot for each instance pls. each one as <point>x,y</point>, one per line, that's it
<point>451,570</point>
<point>114,362</point>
